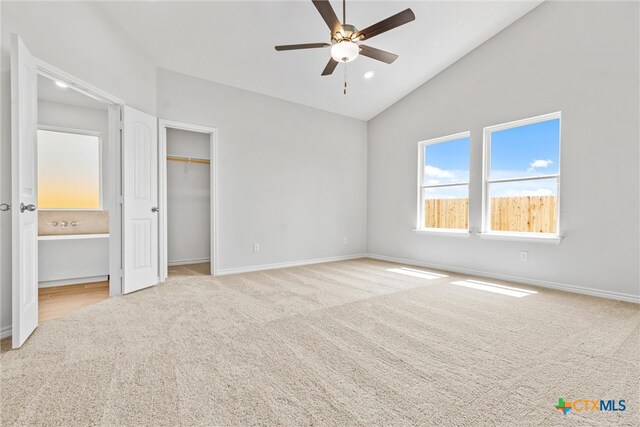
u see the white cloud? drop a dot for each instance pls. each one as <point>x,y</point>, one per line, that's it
<point>540,163</point>
<point>435,172</point>
<point>537,188</point>
<point>433,181</point>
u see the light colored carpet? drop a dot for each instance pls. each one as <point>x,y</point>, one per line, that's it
<point>358,342</point>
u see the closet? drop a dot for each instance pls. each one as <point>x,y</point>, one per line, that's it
<point>188,199</point>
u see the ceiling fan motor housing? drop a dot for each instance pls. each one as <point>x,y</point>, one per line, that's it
<point>348,33</point>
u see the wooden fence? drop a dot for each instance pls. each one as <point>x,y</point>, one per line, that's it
<point>446,213</point>
<point>525,214</point>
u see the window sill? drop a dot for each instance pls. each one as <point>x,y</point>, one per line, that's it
<point>442,232</point>
<point>522,237</point>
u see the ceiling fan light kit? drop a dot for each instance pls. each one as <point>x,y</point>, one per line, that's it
<point>345,38</point>
<point>345,51</point>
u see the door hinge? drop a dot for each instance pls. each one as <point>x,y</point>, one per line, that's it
<point>121,199</point>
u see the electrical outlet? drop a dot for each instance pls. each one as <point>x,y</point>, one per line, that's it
<point>524,256</point>
<point>256,247</point>
<point>345,241</point>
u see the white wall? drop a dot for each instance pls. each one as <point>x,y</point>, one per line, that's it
<point>580,58</point>
<point>72,116</point>
<point>291,178</point>
<point>188,198</point>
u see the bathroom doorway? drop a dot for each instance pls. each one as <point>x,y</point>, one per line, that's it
<point>73,215</point>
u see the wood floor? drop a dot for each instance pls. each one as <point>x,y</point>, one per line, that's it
<point>58,301</point>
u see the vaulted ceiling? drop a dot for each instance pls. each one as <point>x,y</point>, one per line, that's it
<point>233,43</point>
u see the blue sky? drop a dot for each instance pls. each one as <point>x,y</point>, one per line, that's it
<point>526,150</point>
<point>517,152</point>
<point>447,162</point>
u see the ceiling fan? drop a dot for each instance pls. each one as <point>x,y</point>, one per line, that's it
<point>345,38</point>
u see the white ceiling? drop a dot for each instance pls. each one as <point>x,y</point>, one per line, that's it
<point>233,43</point>
<point>49,91</point>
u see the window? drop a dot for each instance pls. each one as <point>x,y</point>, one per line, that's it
<point>68,170</point>
<point>522,177</point>
<point>443,193</point>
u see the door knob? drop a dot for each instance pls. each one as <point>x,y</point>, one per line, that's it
<point>29,207</point>
<point>155,209</point>
<point>5,207</point>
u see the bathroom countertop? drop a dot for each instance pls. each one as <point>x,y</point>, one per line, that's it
<point>73,236</point>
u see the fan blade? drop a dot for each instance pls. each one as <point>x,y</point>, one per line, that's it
<point>329,16</point>
<point>331,66</point>
<point>385,25</point>
<point>301,46</point>
<point>378,54</point>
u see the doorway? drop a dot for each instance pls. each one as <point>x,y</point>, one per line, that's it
<point>188,199</point>
<point>73,216</point>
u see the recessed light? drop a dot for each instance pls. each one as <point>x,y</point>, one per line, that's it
<point>368,74</point>
<point>62,84</point>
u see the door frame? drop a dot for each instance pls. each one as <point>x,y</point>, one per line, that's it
<point>163,126</point>
<point>113,186</point>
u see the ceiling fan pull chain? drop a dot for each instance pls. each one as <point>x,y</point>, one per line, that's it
<point>345,78</point>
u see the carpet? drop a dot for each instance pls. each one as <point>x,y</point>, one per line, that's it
<point>359,342</point>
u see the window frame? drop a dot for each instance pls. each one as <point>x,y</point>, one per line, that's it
<point>420,228</point>
<point>61,129</point>
<point>486,182</point>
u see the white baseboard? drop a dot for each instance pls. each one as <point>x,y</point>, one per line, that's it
<point>261,267</point>
<point>533,282</point>
<point>188,261</point>
<point>75,281</point>
<point>5,332</point>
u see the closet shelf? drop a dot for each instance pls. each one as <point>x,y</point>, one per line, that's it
<point>188,159</point>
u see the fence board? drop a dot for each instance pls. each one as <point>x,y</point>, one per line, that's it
<point>446,213</point>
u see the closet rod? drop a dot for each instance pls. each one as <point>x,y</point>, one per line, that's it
<point>188,159</point>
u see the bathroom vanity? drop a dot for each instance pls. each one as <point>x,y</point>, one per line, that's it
<point>73,247</point>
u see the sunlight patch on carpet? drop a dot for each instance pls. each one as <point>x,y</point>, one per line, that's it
<point>421,274</point>
<point>495,288</point>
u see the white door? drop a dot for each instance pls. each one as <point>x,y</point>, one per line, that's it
<point>24,218</point>
<point>140,207</point>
